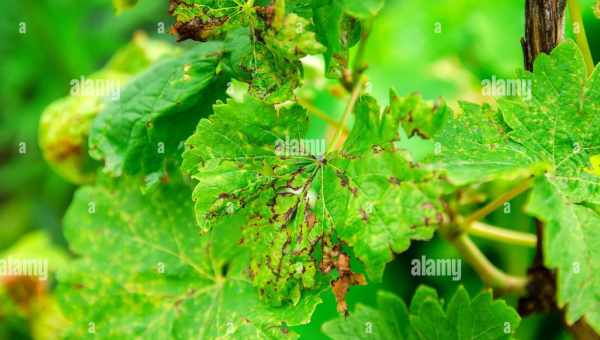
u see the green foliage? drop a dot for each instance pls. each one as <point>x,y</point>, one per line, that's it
<point>574,225</point>
<point>463,318</point>
<point>296,205</point>
<point>555,137</point>
<point>65,124</point>
<point>338,31</point>
<point>134,136</point>
<point>145,270</point>
<point>562,104</point>
<point>214,206</point>
<point>265,42</point>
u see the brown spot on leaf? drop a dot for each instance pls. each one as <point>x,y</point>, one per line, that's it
<point>266,13</point>
<point>62,150</point>
<point>428,205</point>
<point>328,261</point>
<point>439,217</point>
<point>23,290</point>
<point>310,219</point>
<point>346,280</point>
<point>363,215</point>
<point>197,29</point>
<point>377,149</point>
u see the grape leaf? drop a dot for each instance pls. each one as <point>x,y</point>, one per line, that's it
<point>250,159</point>
<point>422,119</point>
<point>146,272</point>
<point>555,135</point>
<point>563,105</point>
<point>464,318</point>
<point>576,226</point>
<point>389,321</point>
<point>473,145</point>
<point>338,27</point>
<point>265,43</point>
<point>338,31</point>
<point>155,112</point>
<point>65,124</point>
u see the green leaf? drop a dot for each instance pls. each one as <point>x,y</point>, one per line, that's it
<point>554,134</point>
<point>293,40</point>
<point>555,129</point>
<point>143,130</point>
<point>419,117</point>
<point>251,159</point>
<point>480,317</point>
<point>338,31</point>
<point>389,321</point>
<point>564,106</point>
<point>145,271</point>
<point>338,27</point>
<point>65,124</point>
<point>271,71</point>
<point>474,145</point>
<point>265,43</point>
<point>571,245</point>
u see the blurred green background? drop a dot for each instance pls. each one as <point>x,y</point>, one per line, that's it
<point>436,47</point>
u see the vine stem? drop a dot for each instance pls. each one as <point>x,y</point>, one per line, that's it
<point>580,36</point>
<point>313,110</point>
<point>489,274</point>
<point>490,232</point>
<point>357,66</point>
<point>349,108</point>
<point>490,207</point>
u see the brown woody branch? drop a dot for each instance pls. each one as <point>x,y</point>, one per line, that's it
<point>544,28</point>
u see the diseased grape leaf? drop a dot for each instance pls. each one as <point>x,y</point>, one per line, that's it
<point>555,129</point>
<point>144,129</point>
<point>291,39</point>
<point>417,115</point>
<point>250,159</point>
<point>480,317</point>
<point>265,43</point>
<point>146,272</point>
<point>572,246</point>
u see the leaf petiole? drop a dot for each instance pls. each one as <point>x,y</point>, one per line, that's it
<point>489,274</point>
<point>490,232</point>
<point>580,36</point>
<point>490,207</point>
<point>313,110</point>
<point>349,108</point>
